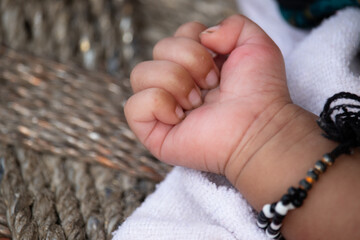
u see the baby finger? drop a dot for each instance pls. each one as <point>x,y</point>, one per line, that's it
<point>169,76</point>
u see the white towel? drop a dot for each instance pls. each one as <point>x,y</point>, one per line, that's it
<point>190,204</point>
<point>325,62</point>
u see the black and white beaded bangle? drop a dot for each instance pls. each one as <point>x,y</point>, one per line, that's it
<point>271,216</point>
<point>340,123</point>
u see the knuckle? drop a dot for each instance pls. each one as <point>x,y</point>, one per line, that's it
<point>189,26</point>
<point>156,93</point>
<point>180,80</point>
<point>162,45</point>
<point>136,74</point>
<point>186,52</point>
<point>128,107</point>
<point>159,97</point>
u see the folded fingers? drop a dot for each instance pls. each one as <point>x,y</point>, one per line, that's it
<point>193,56</point>
<point>168,84</point>
<point>151,114</point>
<point>170,77</point>
<point>190,30</point>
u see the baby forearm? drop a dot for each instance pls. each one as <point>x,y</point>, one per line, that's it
<point>331,209</point>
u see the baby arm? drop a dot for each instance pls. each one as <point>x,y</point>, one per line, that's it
<point>245,126</point>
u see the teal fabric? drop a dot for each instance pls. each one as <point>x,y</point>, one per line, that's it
<point>314,12</point>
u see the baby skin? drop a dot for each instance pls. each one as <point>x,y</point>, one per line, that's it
<point>232,115</point>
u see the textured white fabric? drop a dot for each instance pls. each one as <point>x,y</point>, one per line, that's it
<point>189,205</point>
<point>266,14</point>
<point>319,66</point>
<point>192,205</point>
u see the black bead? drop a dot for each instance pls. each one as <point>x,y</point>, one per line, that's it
<point>305,184</point>
<point>266,223</point>
<point>263,227</point>
<point>262,218</point>
<point>302,194</point>
<point>286,199</point>
<point>320,165</point>
<point>280,237</point>
<point>277,219</point>
<point>297,202</point>
<point>272,231</point>
<point>311,173</point>
<point>272,207</point>
<point>292,191</point>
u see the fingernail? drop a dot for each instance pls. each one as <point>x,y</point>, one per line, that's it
<point>212,78</point>
<point>194,98</point>
<point>211,29</point>
<point>213,54</point>
<point>179,112</point>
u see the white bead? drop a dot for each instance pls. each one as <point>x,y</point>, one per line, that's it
<point>272,236</point>
<point>275,227</point>
<point>267,212</point>
<point>290,206</point>
<point>281,209</point>
<point>261,225</point>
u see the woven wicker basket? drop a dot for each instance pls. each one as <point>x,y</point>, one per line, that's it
<point>70,167</point>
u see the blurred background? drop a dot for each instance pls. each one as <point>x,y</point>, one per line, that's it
<point>105,35</point>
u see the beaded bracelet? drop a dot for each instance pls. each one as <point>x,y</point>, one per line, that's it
<point>271,216</point>
<point>340,123</point>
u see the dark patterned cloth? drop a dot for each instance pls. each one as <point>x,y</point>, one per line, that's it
<point>309,13</point>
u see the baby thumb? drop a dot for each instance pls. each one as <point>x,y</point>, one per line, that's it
<point>254,61</point>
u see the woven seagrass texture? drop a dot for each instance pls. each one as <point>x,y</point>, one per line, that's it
<point>59,109</point>
<point>107,35</point>
<point>57,123</point>
<point>159,19</point>
<point>70,167</point>
<point>96,34</point>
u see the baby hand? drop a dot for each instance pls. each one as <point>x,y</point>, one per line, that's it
<point>221,130</point>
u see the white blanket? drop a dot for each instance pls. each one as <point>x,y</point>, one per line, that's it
<point>190,204</point>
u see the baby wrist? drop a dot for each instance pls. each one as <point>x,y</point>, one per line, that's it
<point>259,134</point>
